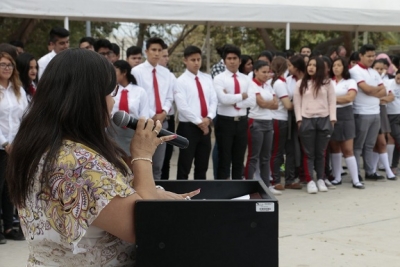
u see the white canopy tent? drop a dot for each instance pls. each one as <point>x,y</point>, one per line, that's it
<point>340,15</point>
<point>344,15</point>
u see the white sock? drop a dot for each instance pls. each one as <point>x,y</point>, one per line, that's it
<point>353,169</point>
<point>375,159</point>
<point>385,160</point>
<point>336,161</point>
<point>390,150</point>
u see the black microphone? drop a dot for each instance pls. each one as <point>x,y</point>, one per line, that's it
<point>123,119</point>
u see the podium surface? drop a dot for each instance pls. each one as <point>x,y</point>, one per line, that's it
<point>211,229</point>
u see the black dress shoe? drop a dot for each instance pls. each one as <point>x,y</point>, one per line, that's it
<point>374,177</point>
<point>394,178</point>
<point>358,186</point>
<point>343,174</point>
<point>14,235</point>
<point>3,240</point>
<point>334,182</point>
<point>360,178</point>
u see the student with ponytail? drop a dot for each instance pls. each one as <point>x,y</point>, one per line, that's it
<point>260,130</point>
<point>130,98</point>
<point>280,119</point>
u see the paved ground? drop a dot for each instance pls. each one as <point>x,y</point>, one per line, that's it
<point>343,227</point>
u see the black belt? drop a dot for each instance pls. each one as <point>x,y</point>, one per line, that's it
<point>236,118</point>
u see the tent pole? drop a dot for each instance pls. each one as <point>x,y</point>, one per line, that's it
<point>356,42</point>
<point>88,28</point>
<point>365,38</point>
<point>288,36</point>
<point>66,23</point>
<point>208,46</point>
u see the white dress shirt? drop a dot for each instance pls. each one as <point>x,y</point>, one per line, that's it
<point>138,103</point>
<point>226,101</point>
<point>11,111</point>
<point>166,83</point>
<point>187,98</point>
<point>393,108</point>
<point>44,61</point>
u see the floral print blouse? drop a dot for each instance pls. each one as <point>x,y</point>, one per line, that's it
<point>57,217</point>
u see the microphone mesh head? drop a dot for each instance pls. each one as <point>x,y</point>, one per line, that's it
<point>121,118</point>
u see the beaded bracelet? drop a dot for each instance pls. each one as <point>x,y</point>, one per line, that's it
<point>146,159</point>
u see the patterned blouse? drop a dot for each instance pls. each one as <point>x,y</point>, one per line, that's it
<point>57,218</point>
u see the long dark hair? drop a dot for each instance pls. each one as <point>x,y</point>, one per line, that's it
<point>298,62</point>
<point>70,103</point>
<point>23,65</point>
<point>278,67</point>
<point>244,59</point>
<point>318,79</point>
<point>345,72</point>
<point>125,68</point>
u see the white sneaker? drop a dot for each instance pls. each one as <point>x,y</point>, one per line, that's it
<point>274,191</point>
<point>321,185</point>
<point>329,184</point>
<point>312,188</point>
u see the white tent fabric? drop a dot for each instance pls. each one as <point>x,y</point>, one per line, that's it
<point>347,15</point>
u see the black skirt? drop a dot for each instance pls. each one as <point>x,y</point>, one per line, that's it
<point>345,128</point>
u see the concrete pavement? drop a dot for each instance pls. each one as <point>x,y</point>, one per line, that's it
<point>342,227</point>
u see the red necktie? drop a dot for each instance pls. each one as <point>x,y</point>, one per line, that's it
<point>203,104</point>
<point>156,93</point>
<point>32,90</point>
<point>237,86</point>
<point>123,102</point>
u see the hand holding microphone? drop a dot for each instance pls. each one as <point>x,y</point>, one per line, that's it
<point>122,119</point>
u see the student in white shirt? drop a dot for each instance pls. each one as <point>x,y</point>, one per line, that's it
<point>134,56</point>
<point>59,39</point>
<point>344,131</point>
<point>196,102</point>
<point>158,83</point>
<point>380,150</point>
<point>393,111</point>
<point>13,103</point>
<point>366,109</point>
<point>260,129</point>
<point>130,98</point>
<point>164,59</point>
<point>231,126</point>
<point>296,68</point>
<point>280,119</point>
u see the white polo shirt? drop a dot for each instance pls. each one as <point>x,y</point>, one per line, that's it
<point>342,88</point>
<point>363,103</point>
<point>267,93</point>
<point>291,85</point>
<point>281,91</point>
<point>393,108</point>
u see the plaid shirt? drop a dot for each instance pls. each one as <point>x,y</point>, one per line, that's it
<point>217,68</point>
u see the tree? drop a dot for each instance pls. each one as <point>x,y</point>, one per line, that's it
<point>35,33</point>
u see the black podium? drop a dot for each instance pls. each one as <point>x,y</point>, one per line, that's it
<point>211,229</point>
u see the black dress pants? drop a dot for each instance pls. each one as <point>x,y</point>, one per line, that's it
<point>199,150</point>
<point>231,134</point>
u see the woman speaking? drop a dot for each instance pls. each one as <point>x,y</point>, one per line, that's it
<point>75,195</point>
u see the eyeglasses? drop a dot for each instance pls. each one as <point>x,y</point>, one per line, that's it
<point>115,92</point>
<point>5,66</point>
